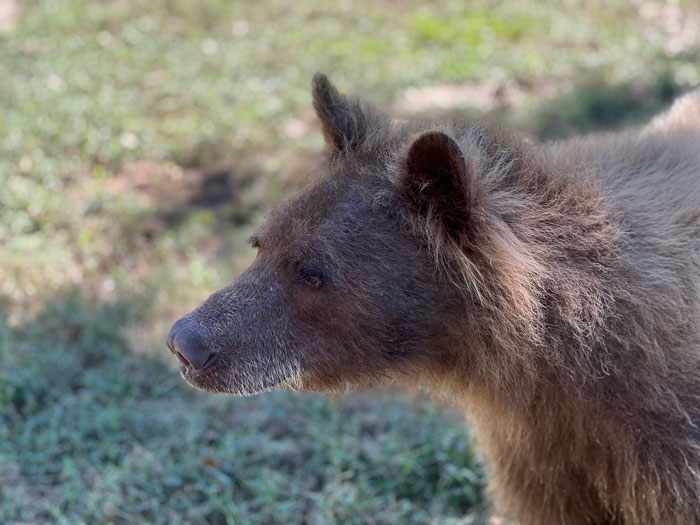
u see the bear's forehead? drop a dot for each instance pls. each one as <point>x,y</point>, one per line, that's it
<point>301,215</point>
<point>328,209</point>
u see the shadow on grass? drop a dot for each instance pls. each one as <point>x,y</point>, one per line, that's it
<point>598,105</point>
<point>225,192</point>
<point>94,431</point>
<point>232,184</point>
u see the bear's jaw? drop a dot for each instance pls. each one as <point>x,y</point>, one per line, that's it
<point>242,382</point>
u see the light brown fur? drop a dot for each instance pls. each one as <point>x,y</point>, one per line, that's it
<point>599,421</point>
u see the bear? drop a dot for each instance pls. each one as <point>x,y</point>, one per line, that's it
<point>550,290</point>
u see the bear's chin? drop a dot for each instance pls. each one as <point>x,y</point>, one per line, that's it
<point>218,381</point>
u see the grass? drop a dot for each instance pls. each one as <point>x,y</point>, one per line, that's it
<point>140,142</point>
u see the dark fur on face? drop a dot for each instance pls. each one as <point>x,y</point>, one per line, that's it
<point>552,290</point>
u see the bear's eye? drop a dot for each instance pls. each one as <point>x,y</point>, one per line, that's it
<point>311,276</point>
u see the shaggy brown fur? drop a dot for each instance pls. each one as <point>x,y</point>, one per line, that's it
<point>553,290</point>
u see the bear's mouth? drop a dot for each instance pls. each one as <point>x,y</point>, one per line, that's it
<point>240,381</point>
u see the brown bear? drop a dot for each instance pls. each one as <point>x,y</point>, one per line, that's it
<point>552,290</point>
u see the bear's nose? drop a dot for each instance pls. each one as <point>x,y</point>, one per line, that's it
<point>188,345</point>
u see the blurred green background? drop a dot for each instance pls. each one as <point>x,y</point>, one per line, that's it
<point>141,142</point>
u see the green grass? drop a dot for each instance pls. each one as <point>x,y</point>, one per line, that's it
<point>140,142</point>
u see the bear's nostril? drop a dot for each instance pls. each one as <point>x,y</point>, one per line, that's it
<point>182,359</point>
<point>189,347</point>
<point>210,361</point>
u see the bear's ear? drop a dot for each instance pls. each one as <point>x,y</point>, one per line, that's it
<point>343,121</point>
<point>438,183</point>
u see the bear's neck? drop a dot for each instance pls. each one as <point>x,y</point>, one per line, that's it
<point>547,260</point>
